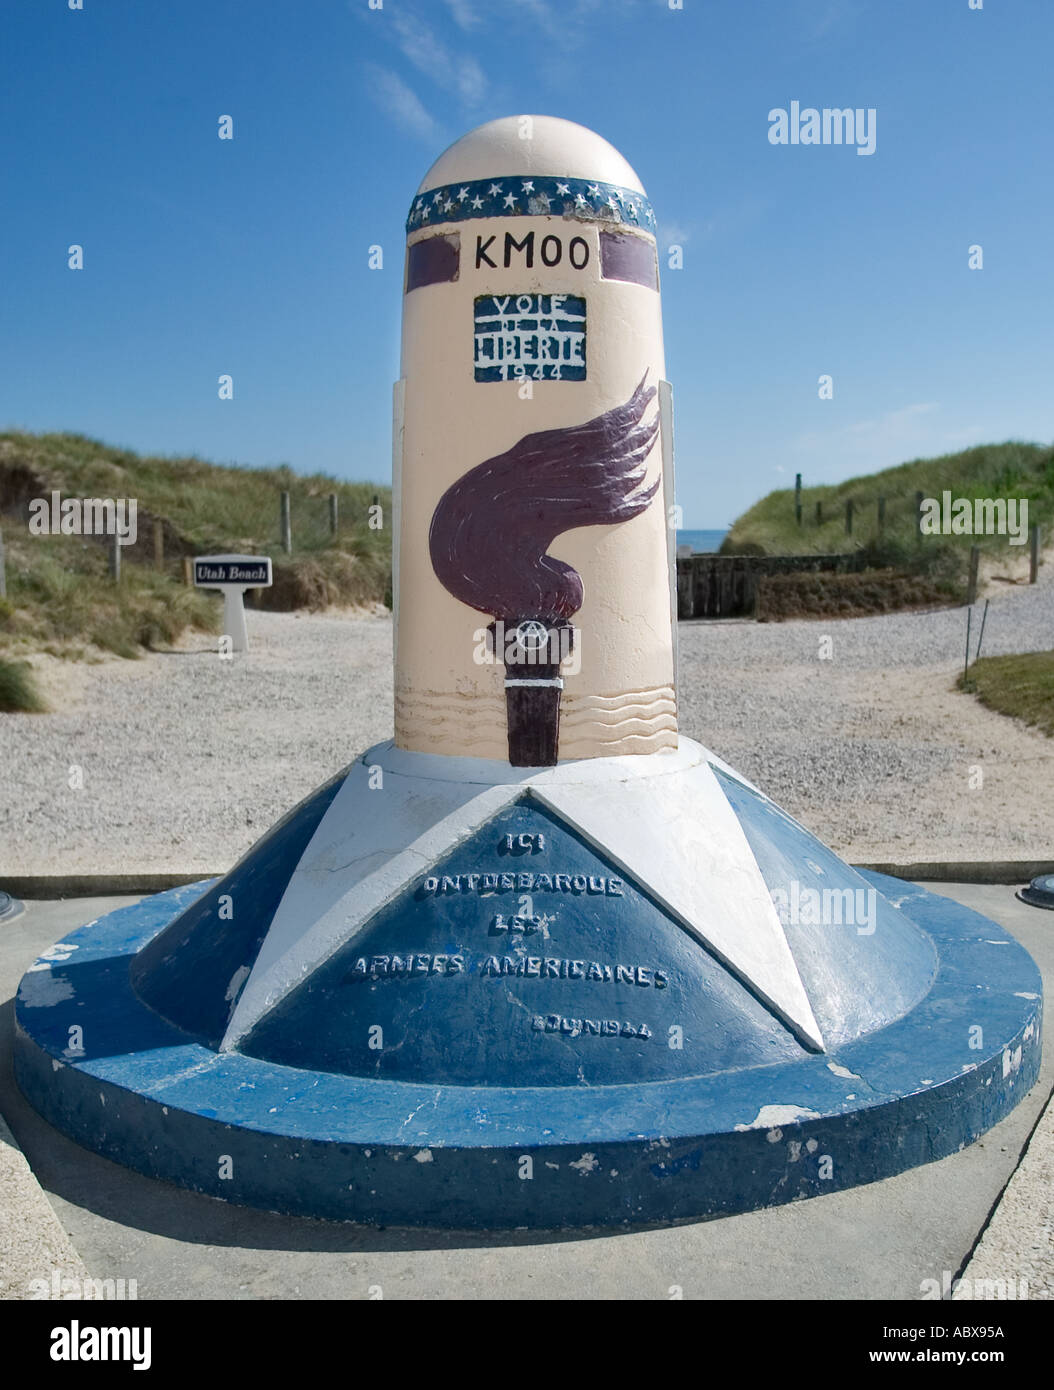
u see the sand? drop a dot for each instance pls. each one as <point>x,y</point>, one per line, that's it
<point>180,761</point>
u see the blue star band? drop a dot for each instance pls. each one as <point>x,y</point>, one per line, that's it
<point>531,197</point>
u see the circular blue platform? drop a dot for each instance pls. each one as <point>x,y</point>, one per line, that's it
<point>298,1124</point>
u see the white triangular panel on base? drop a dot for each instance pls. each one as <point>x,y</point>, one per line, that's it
<point>669,826</point>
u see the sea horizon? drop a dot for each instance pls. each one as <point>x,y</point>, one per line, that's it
<point>704,541</point>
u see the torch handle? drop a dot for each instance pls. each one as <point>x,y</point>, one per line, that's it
<point>533,687</point>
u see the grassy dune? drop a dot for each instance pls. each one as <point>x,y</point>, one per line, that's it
<point>18,689</point>
<point>210,505</point>
<point>989,470</point>
<point>60,598</point>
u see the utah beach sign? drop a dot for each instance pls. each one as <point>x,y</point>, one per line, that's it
<point>251,571</point>
<point>232,575</point>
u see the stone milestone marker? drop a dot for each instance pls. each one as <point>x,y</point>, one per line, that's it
<point>541,960</point>
<point>533,512</point>
<point>232,575</point>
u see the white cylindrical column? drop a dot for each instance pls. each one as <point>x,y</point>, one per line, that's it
<point>533,562</point>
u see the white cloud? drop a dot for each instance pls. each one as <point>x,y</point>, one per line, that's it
<point>919,430</point>
<point>544,16</point>
<point>894,422</point>
<point>566,23</point>
<point>403,104</point>
<point>674,233</point>
<point>465,17</point>
<point>836,14</point>
<point>452,71</point>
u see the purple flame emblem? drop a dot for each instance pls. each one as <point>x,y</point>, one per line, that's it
<point>492,528</point>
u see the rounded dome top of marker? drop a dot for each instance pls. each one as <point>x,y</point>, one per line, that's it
<point>543,145</point>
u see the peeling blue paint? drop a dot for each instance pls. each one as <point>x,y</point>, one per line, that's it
<point>323,1144</point>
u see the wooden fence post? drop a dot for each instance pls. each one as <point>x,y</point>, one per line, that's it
<point>286,524</point>
<point>1033,556</point>
<point>971,583</point>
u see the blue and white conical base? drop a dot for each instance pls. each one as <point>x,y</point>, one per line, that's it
<point>445,991</point>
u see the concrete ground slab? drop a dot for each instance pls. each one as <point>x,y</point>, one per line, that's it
<point>33,1245</point>
<point>879,1241</point>
<point>1020,1235</point>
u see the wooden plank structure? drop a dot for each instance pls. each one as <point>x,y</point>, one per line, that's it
<point>726,586</point>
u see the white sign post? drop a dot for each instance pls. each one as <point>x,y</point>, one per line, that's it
<point>232,575</point>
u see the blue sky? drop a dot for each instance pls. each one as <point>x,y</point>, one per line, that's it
<point>249,256</point>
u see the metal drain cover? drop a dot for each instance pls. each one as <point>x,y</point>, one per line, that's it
<point>9,906</point>
<point>1039,893</point>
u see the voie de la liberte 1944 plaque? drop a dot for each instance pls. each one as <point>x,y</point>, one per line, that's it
<point>537,336</point>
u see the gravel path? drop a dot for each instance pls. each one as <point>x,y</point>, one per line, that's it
<point>874,749</point>
<point>187,759</point>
